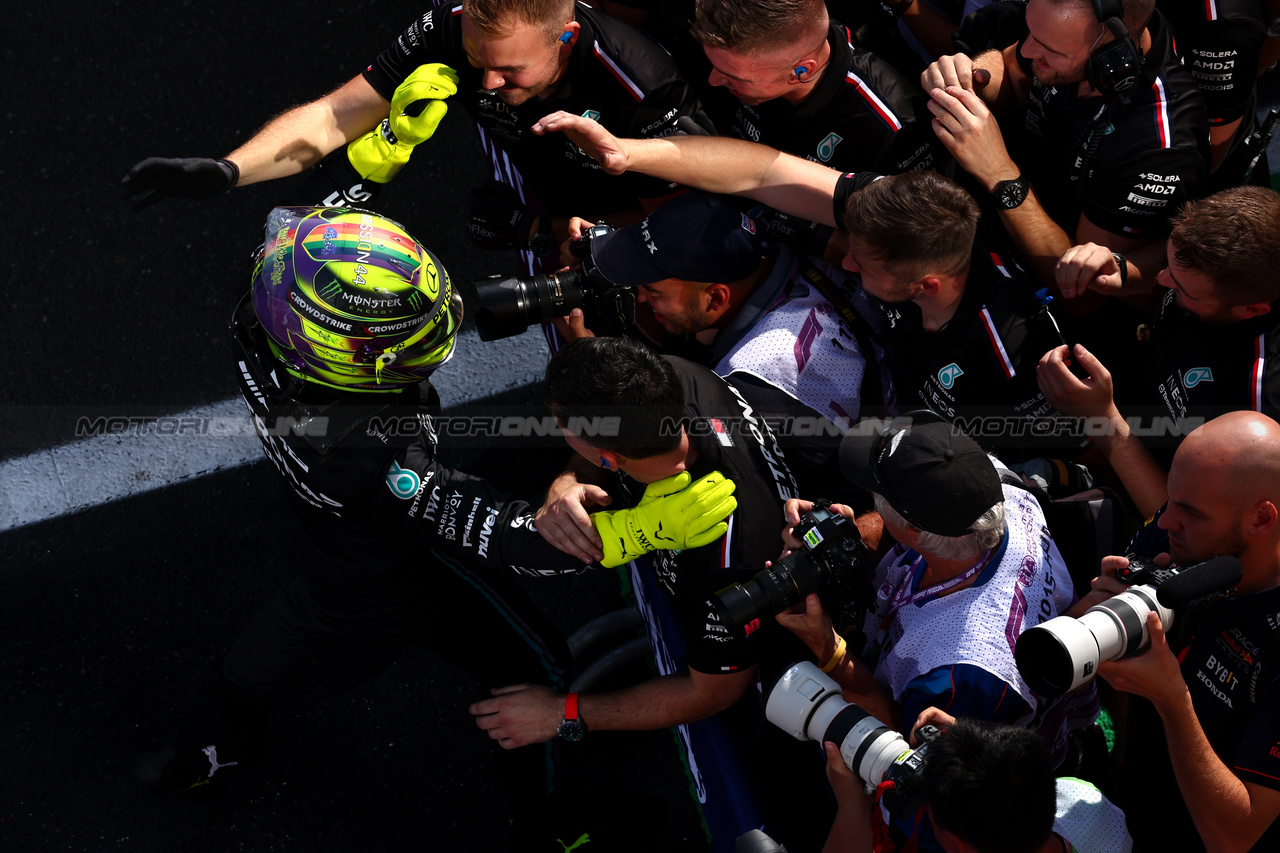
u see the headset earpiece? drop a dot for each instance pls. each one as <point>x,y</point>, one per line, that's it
<point>565,37</point>
<point>800,70</point>
<point>1113,69</point>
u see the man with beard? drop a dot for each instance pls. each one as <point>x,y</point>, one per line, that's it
<point>1086,135</point>
<point>1212,680</point>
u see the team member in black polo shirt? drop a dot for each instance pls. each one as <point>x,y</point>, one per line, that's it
<point>514,64</point>
<point>1094,144</point>
<point>965,327</point>
<point>719,425</point>
<point>1221,44</point>
<point>1213,348</point>
<point>803,88</point>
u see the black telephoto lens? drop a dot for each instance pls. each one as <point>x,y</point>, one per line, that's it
<point>509,305</point>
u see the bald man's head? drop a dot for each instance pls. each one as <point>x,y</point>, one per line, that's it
<point>1224,490</point>
<point>1244,449</point>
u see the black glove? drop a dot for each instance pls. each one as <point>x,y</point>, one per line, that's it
<point>497,219</point>
<point>191,177</point>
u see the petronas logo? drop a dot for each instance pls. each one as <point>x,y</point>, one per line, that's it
<point>403,484</point>
<point>949,374</point>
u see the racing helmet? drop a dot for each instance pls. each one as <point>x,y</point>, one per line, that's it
<point>347,299</point>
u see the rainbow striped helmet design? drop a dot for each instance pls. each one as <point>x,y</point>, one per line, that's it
<point>349,300</point>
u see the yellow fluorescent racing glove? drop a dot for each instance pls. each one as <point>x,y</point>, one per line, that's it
<point>417,108</point>
<point>672,515</point>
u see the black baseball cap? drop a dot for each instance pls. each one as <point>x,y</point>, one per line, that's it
<point>936,477</point>
<point>695,237</point>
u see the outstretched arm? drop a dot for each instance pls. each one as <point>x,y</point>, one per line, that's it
<point>299,138</point>
<point>711,163</point>
<point>528,713</point>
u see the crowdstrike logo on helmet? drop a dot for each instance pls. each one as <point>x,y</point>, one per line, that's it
<point>352,301</point>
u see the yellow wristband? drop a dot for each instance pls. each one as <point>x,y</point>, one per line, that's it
<point>837,656</point>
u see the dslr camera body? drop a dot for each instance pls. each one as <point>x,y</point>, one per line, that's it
<point>511,304</point>
<point>834,556</point>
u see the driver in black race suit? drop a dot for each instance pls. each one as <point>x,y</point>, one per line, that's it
<point>347,318</point>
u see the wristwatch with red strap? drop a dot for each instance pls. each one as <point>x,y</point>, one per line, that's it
<point>571,728</point>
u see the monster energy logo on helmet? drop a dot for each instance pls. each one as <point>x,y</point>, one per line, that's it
<point>352,301</point>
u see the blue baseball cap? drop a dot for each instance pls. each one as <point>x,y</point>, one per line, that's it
<point>693,237</point>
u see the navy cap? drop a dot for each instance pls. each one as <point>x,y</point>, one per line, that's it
<point>936,477</point>
<point>693,237</point>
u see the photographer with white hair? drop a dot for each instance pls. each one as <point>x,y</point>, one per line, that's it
<point>974,566</point>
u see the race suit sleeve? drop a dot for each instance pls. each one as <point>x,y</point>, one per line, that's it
<point>469,517</point>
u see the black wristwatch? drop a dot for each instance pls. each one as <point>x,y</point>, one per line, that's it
<point>1010,194</point>
<point>542,244</point>
<point>571,728</point>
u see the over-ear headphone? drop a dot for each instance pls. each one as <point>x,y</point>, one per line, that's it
<point>1113,69</point>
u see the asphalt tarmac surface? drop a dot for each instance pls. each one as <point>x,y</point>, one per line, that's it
<point>108,615</point>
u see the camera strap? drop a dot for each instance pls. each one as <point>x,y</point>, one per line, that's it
<point>868,339</point>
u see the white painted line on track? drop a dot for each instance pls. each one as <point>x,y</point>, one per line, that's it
<point>94,471</point>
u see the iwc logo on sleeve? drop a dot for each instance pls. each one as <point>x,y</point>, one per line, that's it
<point>403,484</point>
<point>949,374</point>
